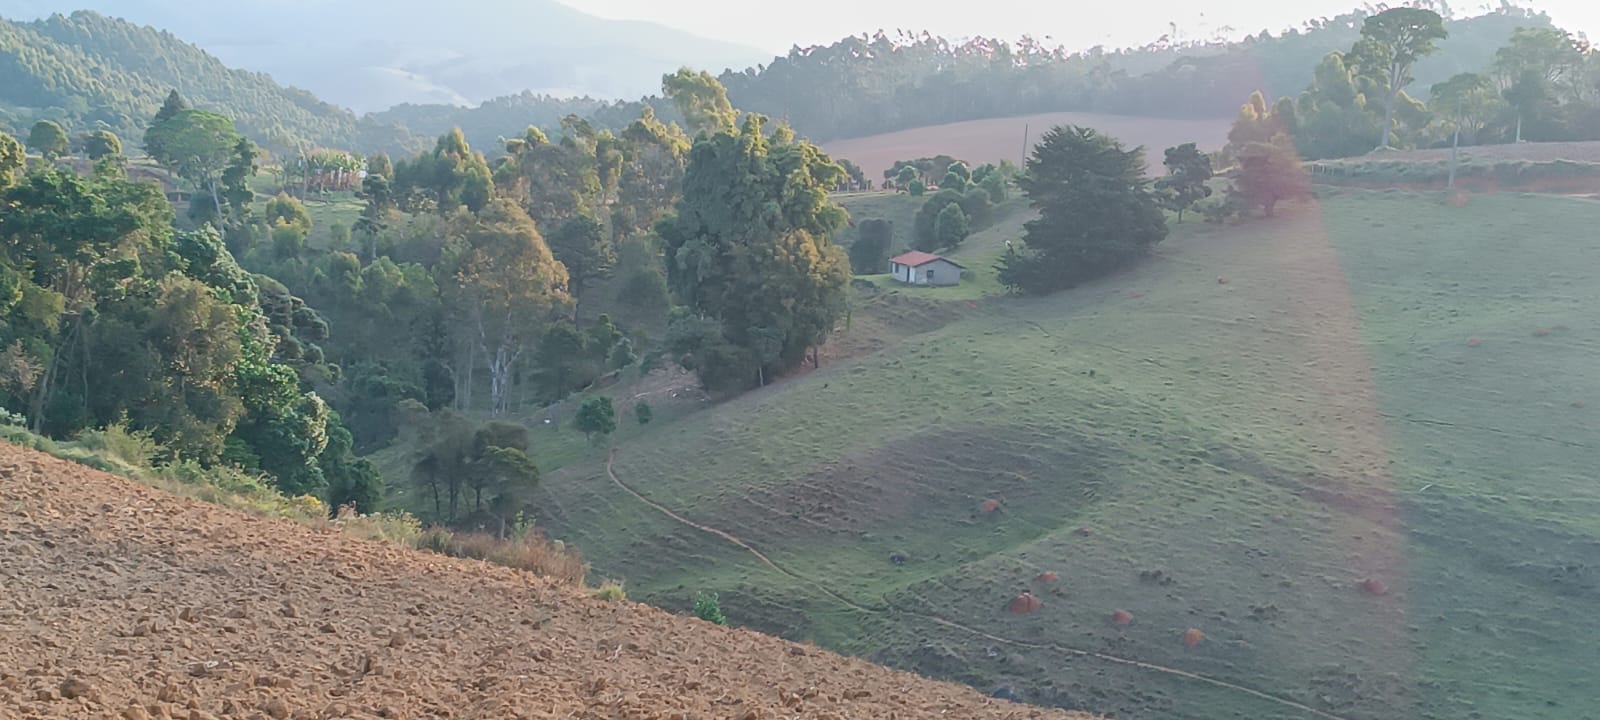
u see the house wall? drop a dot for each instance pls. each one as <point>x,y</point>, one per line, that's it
<point>944,273</point>
<point>900,272</point>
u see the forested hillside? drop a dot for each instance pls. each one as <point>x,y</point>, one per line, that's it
<point>88,71</point>
<point>369,55</point>
<point>508,116</point>
<point>872,84</point>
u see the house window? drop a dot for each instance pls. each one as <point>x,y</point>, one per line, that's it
<point>930,274</point>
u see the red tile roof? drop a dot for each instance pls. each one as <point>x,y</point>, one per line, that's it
<point>917,258</point>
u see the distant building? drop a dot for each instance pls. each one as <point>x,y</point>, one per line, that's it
<point>920,268</point>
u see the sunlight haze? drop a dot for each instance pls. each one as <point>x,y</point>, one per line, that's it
<point>1120,25</point>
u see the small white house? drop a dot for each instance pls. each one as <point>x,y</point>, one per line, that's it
<point>920,268</point>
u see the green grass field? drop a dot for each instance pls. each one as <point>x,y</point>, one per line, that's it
<point>1231,437</point>
<point>898,208</point>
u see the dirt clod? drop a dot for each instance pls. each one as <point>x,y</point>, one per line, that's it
<point>76,687</point>
<point>276,709</point>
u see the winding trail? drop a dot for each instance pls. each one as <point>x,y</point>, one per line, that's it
<point>1286,702</point>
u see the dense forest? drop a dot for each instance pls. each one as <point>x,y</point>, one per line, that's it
<point>485,124</point>
<point>879,83</point>
<point>91,72</point>
<point>465,293</point>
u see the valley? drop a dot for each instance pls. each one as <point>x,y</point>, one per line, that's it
<point>1235,437</point>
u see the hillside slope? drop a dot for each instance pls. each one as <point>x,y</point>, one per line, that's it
<point>1235,437</point>
<point>86,69</point>
<point>117,595</point>
<point>370,55</point>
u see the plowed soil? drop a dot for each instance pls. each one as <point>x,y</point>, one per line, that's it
<point>117,600</point>
<point>996,139</point>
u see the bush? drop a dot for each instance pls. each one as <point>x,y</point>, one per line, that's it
<point>917,188</point>
<point>611,591</point>
<point>133,448</point>
<point>708,607</point>
<point>596,418</point>
<point>1219,210</point>
<point>951,227</point>
<point>869,254</point>
<point>643,413</point>
<point>531,552</point>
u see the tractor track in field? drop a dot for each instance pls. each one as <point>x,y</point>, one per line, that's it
<point>1152,667</point>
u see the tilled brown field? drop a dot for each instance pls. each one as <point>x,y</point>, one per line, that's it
<point>996,139</point>
<point>119,601</point>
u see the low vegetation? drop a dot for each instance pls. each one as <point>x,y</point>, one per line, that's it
<point>132,455</point>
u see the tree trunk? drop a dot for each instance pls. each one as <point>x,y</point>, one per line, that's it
<point>1388,119</point>
<point>577,304</point>
<point>1455,153</point>
<point>42,398</point>
<point>216,202</point>
<point>1519,127</point>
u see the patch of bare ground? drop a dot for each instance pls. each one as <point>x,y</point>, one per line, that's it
<point>122,601</point>
<point>996,139</point>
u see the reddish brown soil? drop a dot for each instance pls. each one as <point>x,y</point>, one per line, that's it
<point>117,600</point>
<point>996,139</point>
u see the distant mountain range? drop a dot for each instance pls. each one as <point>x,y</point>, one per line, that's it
<point>370,55</point>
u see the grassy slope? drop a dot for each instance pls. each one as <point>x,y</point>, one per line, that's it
<point>899,208</point>
<point>978,253</point>
<point>1234,457</point>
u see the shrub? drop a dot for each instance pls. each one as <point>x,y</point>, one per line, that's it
<point>611,591</point>
<point>708,607</point>
<point>531,552</point>
<point>951,226</point>
<point>870,252</point>
<point>1219,210</point>
<point>134,448</point>
<point>643,412</point>
<point>596,418</point>
<point>917,188</point>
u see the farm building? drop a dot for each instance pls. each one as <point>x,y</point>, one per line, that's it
<point>920,268</point>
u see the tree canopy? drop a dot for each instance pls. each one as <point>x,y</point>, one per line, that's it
<point>1392,42</point>
<point>48,139</point>
<point>1097,211</point>
<point>749,250</point>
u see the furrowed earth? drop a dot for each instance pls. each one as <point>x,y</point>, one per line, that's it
<point>122,601</point>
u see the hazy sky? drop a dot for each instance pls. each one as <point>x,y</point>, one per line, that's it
<point>774,25</point>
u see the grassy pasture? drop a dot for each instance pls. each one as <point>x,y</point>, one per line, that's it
<point>1232,437</point>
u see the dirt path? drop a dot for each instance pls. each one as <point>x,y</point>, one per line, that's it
<point>117,600</point>
<point>611,473</point>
